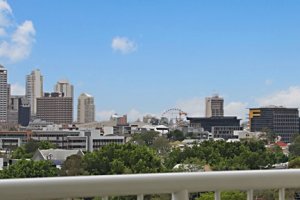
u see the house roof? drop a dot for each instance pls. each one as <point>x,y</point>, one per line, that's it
<point>281,144</point>
<point>57,154</point>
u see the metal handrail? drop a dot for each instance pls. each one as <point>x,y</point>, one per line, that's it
<point>178,184</point>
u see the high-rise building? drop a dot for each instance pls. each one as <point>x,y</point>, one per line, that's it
<point>63,86</point>
<point>4,88</point>
<point>18,110</point>
<point>13,109</point>
<point>85,108</point>
<point>34,89</point>
<point>278,120</point>
<point>214,106</point>
<point>56,108</point>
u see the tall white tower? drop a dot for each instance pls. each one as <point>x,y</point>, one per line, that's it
<point>34,89</point>
<point>85,108</point>
<point>4,88</point>
<point>63,86</point>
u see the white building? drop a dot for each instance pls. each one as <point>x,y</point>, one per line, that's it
<point>4,94</point>
<point>244,134</point>
<point>63,86</point>
<point>34,89</point>
<point>82,139</point>
<point>85,109</point>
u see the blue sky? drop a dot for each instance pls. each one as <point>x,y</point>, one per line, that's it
<point>142,57</point>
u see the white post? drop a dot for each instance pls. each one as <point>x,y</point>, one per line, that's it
<point>140,197</point>
<point>250,195</point>
<point>282,194</point>
<point>182,195</point>
<point>217,195</point>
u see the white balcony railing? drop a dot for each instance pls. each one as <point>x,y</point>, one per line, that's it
<point>177,184</point>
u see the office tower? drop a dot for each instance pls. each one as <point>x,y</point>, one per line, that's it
<point>63,86</point>
<point>278,120</point>
<point>24,112</point>
<point>4,88</point>
<point>214,106</point>
<point>34,89</point>
<point>13,109</point>
<point>18,110</point>
<point>85,108</point>
<point>54,107</point>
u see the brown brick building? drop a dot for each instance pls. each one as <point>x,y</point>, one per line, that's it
<point>55,108</point>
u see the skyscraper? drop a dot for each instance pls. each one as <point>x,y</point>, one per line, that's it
<point>18,110</point>
<point>214,106</point>
<point>63,86</point>
<point>85,109</point>
<point>4,88</point>
<point>54,107</point>
<point>34,89</point>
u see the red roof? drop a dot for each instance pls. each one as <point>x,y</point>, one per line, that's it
<point>281,144</point>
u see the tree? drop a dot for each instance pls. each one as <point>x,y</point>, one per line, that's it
<point>295,147</point>
<point>222,155</point>
<point>30,148</point>
<point>122,159</point>
<point>230,195</point>
<point>161,145</point>
<point>146,138</point>
<point>176,135</point>
<point>73,166</point>
<point>29,169</point>
<point>295,163</point>
<point>270,135</point>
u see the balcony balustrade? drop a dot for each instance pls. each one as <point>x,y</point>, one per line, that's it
<point>177,184</point>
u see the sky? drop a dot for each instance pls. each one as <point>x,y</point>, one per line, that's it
<point>143,57</point>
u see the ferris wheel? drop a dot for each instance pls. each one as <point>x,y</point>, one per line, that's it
<point>174,115</point>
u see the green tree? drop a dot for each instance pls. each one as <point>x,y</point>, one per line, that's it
<point>146,138</point>
<point>222,155</point>
<point>230,195</point>
<point>270,135</point>
<point>29,169</point>
<point>176,135</point>
<point>295,163</point>
<point>294,148</point>
<point>73,166</point>
<point>161,145</point>
<point>30,148</point>
<point>122,159</point>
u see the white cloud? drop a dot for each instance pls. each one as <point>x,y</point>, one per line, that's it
<point>19,47</point>
<point>134,114</point>
<point>2,32</point>
<point>194,107</point>
<point>104,115</point>
<point>5,7</point>
<point>17,89</point>
<point>5,14</point>
<point>16,40</point>
<point>123,44</point>
<point>238,109</point>
<point>288,98</point>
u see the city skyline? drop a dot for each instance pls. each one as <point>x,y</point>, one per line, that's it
<point>135,62</point>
